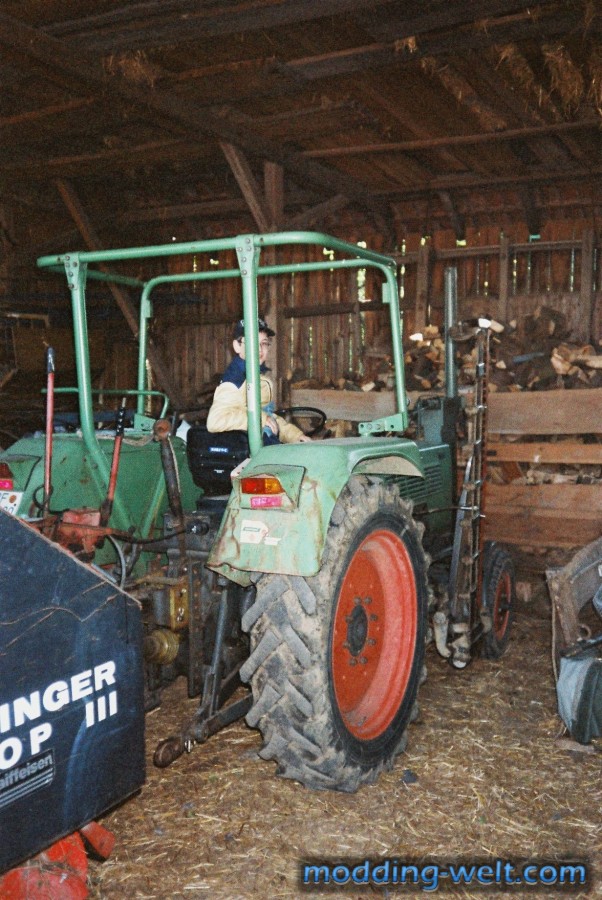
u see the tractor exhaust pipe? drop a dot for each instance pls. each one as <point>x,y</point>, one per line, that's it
<point>451,315</point>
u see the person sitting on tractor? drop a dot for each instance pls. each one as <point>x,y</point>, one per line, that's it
<point>229,408</point>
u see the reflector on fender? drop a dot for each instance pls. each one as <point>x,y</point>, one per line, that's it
<point>6,477</point>
<point>264,484</point>
<point>263,502</point>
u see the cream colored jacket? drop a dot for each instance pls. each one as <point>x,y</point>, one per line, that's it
<point>229,408</point>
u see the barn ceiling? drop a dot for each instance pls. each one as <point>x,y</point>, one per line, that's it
<point>135,120</point>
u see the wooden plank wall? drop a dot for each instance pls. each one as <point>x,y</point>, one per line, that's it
<point>508,280</point>
<point>528,515</point>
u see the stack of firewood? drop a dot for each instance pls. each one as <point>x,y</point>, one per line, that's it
<point>536,354</point>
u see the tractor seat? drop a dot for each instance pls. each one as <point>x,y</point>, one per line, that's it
<point>211,457</point>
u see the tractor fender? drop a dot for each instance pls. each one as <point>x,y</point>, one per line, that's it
<point>289,539</point>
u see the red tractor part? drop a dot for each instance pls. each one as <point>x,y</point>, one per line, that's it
<point>107,506</point>
<point>61,871</point>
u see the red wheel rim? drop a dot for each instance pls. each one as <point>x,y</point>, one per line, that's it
<point>501,606</point>
<point>374,635</point>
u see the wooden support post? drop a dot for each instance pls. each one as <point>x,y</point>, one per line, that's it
<point>7,243</point>
<point>503,309</point>
<point>422,286</point>
<point>457,221</point>
<point>248,185</point>
<point>273,175</point>
<point>587,285</point>
<point>273,178</point>
<point>532,211</point>
<point>71,201</point>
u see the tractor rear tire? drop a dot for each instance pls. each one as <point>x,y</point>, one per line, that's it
<point>336,659</point>
<point>499,595</point>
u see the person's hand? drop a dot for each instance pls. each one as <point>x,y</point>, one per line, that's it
<point>272,424</point>
<point>304,439</point>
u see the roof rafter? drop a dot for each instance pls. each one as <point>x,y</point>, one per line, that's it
<point>61,57</point>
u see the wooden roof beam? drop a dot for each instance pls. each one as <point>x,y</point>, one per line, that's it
<point>462,182</point>
<point>316,214</point>
<point>443,14</point>
<point>56,109</point>
<point>248,185</point>
<point>397,52</point>
<point>189,20</point>
<point>147,24</point>
<point>458,222</point>
<point>455,140</point>
<point>91,163</point>
<point>61,57</point>
<point>366,89</point>
<point>532,211</point>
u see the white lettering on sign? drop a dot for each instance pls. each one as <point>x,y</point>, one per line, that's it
<point>54,697</point>
<point>38,735</point>
<point>10,752</point>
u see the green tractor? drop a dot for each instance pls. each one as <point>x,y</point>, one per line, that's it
<point>309,578</point>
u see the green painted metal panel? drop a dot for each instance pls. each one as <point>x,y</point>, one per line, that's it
<point>290,540</point>
<point>77,483</point>
<point>286,539</point>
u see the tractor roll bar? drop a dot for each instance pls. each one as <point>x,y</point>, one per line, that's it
<point>248,248</point>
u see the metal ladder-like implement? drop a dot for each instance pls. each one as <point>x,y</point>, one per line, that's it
<point>465,577</point>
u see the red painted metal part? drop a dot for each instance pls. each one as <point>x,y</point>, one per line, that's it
<point>58,873</point>
<point>100,839</point>
<point>374,635</point>
<point>107,505</point>
<point>73,533</point>
<point>61,871</point>
<point>501,607</point>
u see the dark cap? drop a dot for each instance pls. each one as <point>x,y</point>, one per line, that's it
<point>262,327</point>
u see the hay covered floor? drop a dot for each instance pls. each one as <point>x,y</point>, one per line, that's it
<point>488,773</point>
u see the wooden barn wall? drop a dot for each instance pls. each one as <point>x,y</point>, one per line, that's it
<point>504,277</point>
<point>192,321</point>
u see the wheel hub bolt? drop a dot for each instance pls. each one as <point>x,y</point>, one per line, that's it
<point>352,661</point>
<point>363,660</point>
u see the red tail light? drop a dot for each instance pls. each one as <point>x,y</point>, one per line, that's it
<point>6,477</point>
<point>265,484</point>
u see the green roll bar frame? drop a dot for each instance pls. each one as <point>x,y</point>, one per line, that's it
<point>248,249</point>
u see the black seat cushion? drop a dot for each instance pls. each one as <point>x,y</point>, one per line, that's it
<point>211,457</point>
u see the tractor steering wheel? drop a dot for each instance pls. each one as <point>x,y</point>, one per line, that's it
<point>309,419</point>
